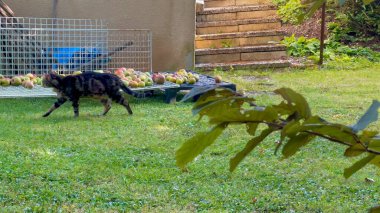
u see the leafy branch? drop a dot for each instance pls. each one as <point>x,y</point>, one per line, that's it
<point>292,117</point>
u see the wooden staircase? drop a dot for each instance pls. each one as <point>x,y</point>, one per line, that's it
<point>239,34</point>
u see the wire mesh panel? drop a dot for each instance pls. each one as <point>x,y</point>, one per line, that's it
<point>39,45</point>
<point>130,49</point>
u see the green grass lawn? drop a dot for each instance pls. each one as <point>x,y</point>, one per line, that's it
<point>122,162</point>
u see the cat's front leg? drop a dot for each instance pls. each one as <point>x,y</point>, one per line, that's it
<point>56,105</point>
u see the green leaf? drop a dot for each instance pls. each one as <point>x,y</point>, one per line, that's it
<point>374,144</point>
<point>218,108</point>
<point>348,172</point>
<point>251,128</point>
<point>234,162</point>
<point>194,146</point>
<point>241,116</point>
<point>354,150</point>
<point>376,161</point>
<point>295,143</point>
<point>367,136</point>
<point>214,95</point>
<point>311,7</point>
<point>370,116</point>
<point>197,91</point>
<point>290,129</point>
<point>368,1</point>
<point>295,100</point>
<point>334,131</point>
<point>375,209</point>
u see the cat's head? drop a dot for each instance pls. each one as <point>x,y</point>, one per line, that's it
<point>52,79</point>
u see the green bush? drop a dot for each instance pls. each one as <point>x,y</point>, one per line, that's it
<point>303,47</point>
<point>290,10</point>
<point>355,22</point>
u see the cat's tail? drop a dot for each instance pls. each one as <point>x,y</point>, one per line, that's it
<point>129,91</point>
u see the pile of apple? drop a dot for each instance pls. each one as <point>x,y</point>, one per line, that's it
<point>134,79</point>
<point>28,81</point>
<point>182,77</point>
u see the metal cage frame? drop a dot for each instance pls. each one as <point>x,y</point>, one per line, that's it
<point>40,45</point>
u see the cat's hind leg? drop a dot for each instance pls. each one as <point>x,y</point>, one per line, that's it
<point>76,108</point>
<point>118,98</point>
<point>107,105</point>
<point>55,106</point>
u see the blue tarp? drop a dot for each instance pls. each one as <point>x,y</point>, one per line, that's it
<point>73,57</point>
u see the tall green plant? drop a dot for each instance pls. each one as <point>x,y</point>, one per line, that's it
<point>311,6</point>
<point>292,118</point>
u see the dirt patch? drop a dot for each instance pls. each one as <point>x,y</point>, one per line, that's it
<point>311,28</point>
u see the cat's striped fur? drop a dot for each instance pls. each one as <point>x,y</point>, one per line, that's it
<point>104,86</point>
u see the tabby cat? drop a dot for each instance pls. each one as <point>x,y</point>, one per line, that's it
<point>104,86</point>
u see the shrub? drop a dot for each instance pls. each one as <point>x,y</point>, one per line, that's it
<point>290,11</point>
<point>303,47</point>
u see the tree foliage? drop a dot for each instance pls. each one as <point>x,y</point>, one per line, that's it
<point>292,117</point>
<point>311,6</point>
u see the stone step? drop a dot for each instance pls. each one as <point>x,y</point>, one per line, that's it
<point>238,54</point>
<point>226,3</point>
<point>238,39</point>
<point>245,25</point>
<point>244,65</point>
<point>236,13</point>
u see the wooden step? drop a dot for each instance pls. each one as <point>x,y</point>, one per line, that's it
<point>236,13</point>
<point>226,3</point>
<point>245,25</point>
<point>238,39</point>
<point>238,54</point>
<point>244,65</point>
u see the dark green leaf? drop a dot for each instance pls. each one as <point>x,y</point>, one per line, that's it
<point>358,165</point>
<point>295,143</point>
<point>248,148</point>
<point>193,147</point>
<point>240,115</point>
<point>370,116</point>
<point>197,91</point>
<point>375,209</point>
<point>284,109</point>
<point>374,144</point>
<point>296,100</point>
<point>290,129</point>
<point>354,150</point>
<point>251,128</point>
<point>214,95</point>
<point>215,108</point>
<point>334,131</point>
<point>376,161</point>
<point>367,136</point>
<point>311,7</point>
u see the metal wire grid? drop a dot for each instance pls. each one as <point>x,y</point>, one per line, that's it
<point>39,45</point>
<point>130,49</point>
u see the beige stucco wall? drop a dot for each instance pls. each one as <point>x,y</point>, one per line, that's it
<point>172,22</point>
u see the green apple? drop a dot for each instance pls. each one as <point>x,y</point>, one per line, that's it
<point>16,81</point>
<point>77,72</point>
